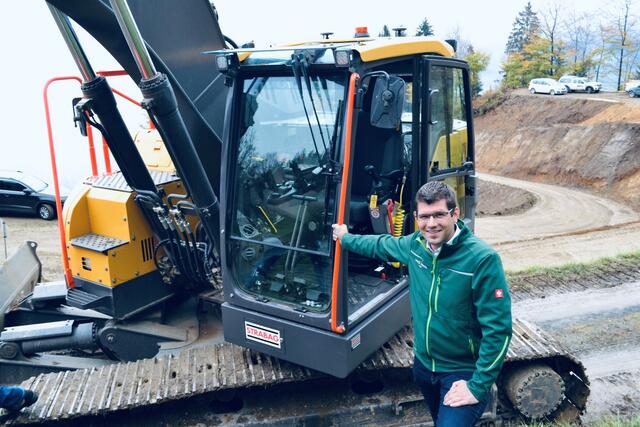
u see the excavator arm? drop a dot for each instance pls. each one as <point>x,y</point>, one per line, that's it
<point>176,34</point>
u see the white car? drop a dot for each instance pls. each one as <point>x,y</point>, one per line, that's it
<point>575,83</point>
<point>546,85</point>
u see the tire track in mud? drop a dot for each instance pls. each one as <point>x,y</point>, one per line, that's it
<point>596,314</point>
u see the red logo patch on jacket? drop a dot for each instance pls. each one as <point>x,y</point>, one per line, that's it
<point>499,293</point>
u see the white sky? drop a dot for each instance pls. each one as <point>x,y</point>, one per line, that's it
<point>33,51</point>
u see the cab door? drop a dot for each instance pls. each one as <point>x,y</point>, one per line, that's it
<point>446,136</point>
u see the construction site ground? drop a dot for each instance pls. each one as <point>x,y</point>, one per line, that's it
<point>559,183</point>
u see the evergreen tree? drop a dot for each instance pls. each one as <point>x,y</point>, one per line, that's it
<point>385,32</point>
<point>424,29</point>
<point>525,27</point>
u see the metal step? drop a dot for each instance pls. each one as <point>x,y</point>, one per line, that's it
<point>97,242</point>
<point>78,298</point>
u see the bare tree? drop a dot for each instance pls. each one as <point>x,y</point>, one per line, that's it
<point>579,31</point>
<point>601,50</point>
<point>463,46</point>
<point>623,24</point>
<point>549,26</point>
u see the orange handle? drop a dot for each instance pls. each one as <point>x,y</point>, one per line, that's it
<point>343,200</point>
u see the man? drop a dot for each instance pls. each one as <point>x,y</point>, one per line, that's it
<point>13,399</point>
<point>460,305</point>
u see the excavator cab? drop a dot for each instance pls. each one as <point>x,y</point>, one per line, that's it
<point>332,133</point>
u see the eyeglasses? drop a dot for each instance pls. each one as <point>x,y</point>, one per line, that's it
<point>435,215</point>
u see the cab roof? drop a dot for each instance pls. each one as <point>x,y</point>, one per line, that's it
<point>369,48</point>
<point>374,49</point>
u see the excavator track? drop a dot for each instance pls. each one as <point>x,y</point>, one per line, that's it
<point>103,391</point>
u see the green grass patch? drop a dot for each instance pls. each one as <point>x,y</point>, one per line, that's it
<point>573,271</point>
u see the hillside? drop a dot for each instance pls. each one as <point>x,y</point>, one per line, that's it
<point>590,142</point>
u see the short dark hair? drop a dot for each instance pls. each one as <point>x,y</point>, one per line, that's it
<point>433,191</point>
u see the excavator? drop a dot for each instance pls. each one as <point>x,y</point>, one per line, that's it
<point>205,266</point>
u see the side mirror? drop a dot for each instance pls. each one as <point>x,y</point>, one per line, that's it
<point>27,191</point>
<point>388,102</point>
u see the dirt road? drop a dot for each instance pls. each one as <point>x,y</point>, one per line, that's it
<point>564,226</point>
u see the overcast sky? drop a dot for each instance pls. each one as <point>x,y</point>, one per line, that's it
<point>33,52</point>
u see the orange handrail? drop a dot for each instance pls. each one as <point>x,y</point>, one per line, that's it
<point>346,165</point>
<point>92,155</point>
<point>54,168</point>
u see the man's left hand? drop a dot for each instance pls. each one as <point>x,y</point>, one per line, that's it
<point>459,395</point>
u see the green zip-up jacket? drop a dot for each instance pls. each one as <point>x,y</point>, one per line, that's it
<point>460,302</point>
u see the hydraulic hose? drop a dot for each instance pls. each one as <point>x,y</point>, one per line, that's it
<point>398,218</point>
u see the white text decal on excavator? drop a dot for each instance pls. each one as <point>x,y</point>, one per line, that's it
<point>262,334</point>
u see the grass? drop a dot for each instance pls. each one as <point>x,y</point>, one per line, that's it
<point>576,270</point>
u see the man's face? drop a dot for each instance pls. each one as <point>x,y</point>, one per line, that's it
<point>436,222</point>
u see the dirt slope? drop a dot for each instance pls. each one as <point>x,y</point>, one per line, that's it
<point>569,140</point>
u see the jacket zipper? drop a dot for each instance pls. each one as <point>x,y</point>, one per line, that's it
<point>433,280</point>
<point>437,293</point>
<point>472,348</point>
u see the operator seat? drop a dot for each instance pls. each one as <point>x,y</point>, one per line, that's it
<point>382,149</point>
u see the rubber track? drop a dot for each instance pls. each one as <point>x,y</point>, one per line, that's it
<point>91,392</point>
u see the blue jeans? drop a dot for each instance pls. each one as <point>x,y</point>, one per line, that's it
<point>11,397</point>
<point>435,385</point>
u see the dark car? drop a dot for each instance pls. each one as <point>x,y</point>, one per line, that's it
<point>634,92</point>
<point>25,194</point>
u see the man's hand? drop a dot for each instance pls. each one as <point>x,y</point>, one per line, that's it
<point>459,395</point>
<point>339,230</point>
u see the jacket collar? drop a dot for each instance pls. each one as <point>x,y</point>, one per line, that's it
<point>459,236</point>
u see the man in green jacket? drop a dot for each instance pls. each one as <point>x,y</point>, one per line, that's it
<point>460,304</point>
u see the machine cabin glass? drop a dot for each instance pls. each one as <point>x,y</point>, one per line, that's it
<point>284,189</point>
<point>449,141</point>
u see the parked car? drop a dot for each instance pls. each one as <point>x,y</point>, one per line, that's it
<point>631,84</point>
<point>582,84</point>
<point>634,92</point>
<point>26,194</point>
<point>547,85</point>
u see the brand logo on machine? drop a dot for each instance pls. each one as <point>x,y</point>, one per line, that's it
<point>499,293</point>
<point>262,334</point>
<point>355,341</point>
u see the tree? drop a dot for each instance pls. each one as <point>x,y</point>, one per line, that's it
<point>623,23</point>
<point>464,47</point>
<point>424,29</point>
<point>478,62</point>
<point>549,29</point>
<point>580,34</point>
<point>601,52</point>
<point>520,67</point>
<point>525,27</point>
<point>385,32</point>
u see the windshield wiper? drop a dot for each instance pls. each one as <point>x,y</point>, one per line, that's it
<point>296,66</point>
<point>304,62</point>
